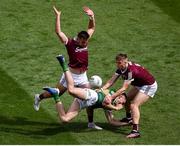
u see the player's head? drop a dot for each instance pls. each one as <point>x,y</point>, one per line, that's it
<point>120,99</point>
<point>82,38</point>
<point>122,61</point>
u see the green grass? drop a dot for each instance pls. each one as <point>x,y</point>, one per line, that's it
<point>148,30</point>
<point>20,124</point>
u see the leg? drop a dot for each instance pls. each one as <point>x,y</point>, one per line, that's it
<point>91,124</point>
<point>138,100</point>
<point>77,92</point>
<point>90,113</point>
<point>130,95</point>
<point>132,92</point>
<point>45,95</point>
<point>71,113</point>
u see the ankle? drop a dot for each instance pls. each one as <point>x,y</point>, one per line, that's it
<point>136,127</point>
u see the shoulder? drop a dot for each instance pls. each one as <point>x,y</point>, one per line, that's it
<point>118,72</point>
<point>70,42</point>
<point>132,66</point>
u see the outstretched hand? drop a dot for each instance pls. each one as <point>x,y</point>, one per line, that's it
<point>56,11</point>
<point>88,11</point>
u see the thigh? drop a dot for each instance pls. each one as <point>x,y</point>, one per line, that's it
<point>132,93</point>
<point>73,109</point>
<point>84,94</point>
<point>80,93</point>
<point>140,98</point>
<point>87,85</point>
<point>90,100</point>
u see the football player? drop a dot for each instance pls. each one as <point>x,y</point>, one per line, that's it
<point>143,86</point>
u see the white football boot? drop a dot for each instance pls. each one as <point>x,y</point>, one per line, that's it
<point>94,126</point>
<point>36,102</point>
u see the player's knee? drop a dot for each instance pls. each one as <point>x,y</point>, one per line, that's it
<point>71,90</point>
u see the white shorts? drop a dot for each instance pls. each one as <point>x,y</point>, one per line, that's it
<point>79,79</point>
<point>91,98</point>
<point>149,90</point>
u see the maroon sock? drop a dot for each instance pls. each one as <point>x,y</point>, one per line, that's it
<point>136,127</point>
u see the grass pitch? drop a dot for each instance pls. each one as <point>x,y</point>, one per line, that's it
<point>147,30</point>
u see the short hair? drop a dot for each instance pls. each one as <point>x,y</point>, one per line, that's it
<point>121,56</point>
<point>83,34</point>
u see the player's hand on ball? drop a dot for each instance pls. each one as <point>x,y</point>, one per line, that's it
<point>56,11</point>
<point>88,11</point>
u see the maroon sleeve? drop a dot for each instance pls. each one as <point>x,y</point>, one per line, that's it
<point>68,43</point>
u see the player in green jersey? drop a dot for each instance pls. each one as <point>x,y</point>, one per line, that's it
<point>84,98</point>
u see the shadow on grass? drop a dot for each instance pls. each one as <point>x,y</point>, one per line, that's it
<point>36,129</point>
<point>170,7</point>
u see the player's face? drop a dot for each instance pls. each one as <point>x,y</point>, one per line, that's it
<point>121,64</point>
<point>82,42</point>
<point>121,99</point>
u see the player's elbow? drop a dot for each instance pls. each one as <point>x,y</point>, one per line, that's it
<point>57,32</point>
<point>110,121</point>
<point>64,119</point>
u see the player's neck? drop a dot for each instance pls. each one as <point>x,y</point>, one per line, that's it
<point>125,69</point>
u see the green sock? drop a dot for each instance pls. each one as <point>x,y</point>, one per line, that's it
<point>56,98</point>
<point>64,67</point>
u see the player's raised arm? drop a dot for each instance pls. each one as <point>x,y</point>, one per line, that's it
<point>110,82</point>
<point>91,25</point>
<point>63,38</point>
<point>122,89</point>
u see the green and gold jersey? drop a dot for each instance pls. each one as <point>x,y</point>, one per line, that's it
<point>101,96</point>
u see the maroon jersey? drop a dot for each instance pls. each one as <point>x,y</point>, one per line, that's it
<point>78,57</point>
<point>137,74</point>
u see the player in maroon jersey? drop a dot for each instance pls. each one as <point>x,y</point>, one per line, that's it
<point>78,57</point>
<point>143,84</point>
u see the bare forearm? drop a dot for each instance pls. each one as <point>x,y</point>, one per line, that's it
<point>91,23</point>
<point>59,33</point>
<point>119,92</point>
<point>110,82</point>
<point>115,122</point>
<point>107,85</point>
<point>58,26</point>
<point>110,118</point>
